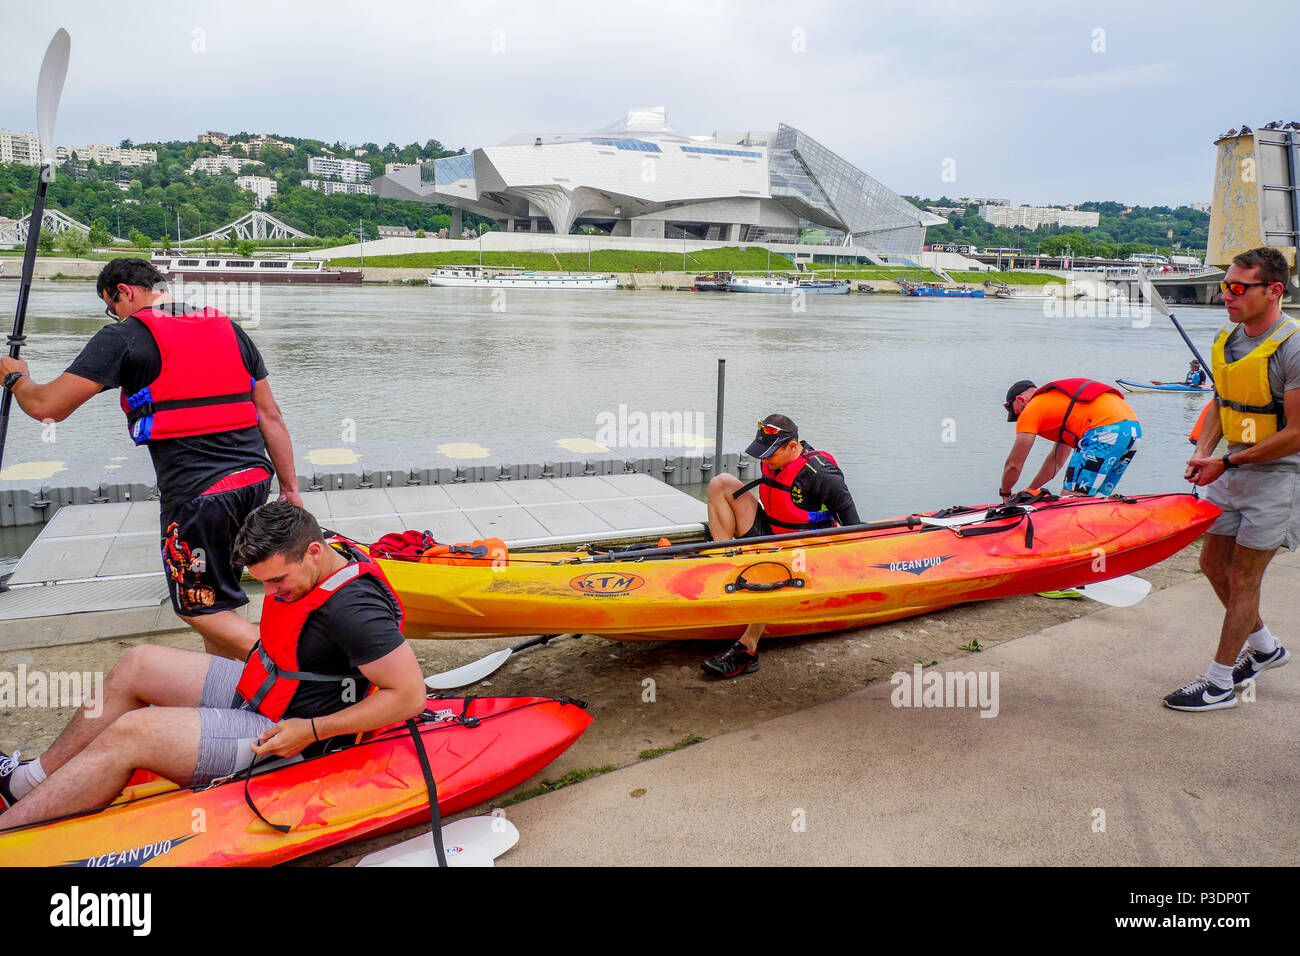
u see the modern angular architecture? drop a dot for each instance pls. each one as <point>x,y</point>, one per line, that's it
<point>640,178</point>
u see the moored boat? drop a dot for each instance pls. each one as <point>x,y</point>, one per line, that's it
<point>933,289</point>
<point>787,285</point>
<point>212,269</point>
<point>473,277</point>
<point>802,584</point>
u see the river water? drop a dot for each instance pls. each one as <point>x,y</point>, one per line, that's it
<point>907,393</point>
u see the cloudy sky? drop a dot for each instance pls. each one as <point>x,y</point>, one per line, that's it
<point>1032,102</point>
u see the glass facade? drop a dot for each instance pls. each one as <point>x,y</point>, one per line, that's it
<point>448,170</point>
<point>836,196</point>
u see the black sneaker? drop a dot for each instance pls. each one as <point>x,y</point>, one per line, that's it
<point>1250,663</point>
<point>1200,694</point>
<point>8,765</point>
<point>734,662</point>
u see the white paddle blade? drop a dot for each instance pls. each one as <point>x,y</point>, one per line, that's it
<point>1153,297</point>
<point>474,841</point>
<point>468,674</point>
<point>1117,592</point>
<point>49,87</point>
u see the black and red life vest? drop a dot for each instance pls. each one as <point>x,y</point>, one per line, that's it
<point>271,674</point>
<point>775,494</point>
<point>203,387</point>
<point>1079,390</point>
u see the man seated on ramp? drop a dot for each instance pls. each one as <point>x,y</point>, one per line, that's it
<point>800,489</point>
<point>329,619</point>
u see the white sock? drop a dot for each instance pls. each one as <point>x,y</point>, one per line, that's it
<point>25,778</point>
<point>1220,675</point>
<point>1262,641</point>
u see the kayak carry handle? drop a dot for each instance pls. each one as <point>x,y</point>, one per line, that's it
<point>740,584</point>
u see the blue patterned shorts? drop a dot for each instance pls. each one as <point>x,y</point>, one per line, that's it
<point>1102,457</point>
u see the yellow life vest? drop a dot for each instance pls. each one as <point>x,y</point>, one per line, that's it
<point>1247,409</point>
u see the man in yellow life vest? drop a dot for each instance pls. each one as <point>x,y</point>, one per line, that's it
<point>1256,365</point>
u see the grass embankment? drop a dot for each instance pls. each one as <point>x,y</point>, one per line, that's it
<point>876,273</point>
<point>602,260</point>
<point>1010,278</point>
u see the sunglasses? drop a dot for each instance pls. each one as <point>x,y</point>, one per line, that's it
<point>1239,288</point>
<point>765,429</point>
<point>108,309</point>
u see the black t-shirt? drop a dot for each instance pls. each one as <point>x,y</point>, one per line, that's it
<point>125,355</point>
<point>821,483</point>
<point>357,626</point>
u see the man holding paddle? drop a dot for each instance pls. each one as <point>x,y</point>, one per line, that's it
<point>194,390</point>
<point>1256,367</point>
<point>799,490</point>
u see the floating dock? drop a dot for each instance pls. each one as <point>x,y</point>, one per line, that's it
<point>106,557</point>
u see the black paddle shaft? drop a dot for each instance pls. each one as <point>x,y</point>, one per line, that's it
<point>16,337</point>
<point>1207,368</point>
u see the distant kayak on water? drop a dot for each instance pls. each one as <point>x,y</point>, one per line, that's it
<point>1162,387</point>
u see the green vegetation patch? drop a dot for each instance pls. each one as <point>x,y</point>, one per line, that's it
<point>546,786</point>
<point>1010,278</point>
<point>660,751</point>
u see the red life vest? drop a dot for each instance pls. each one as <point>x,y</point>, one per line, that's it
<point>203,386</point>
<point>775,494</point>
<point>1079,389</point>
<point>271,672</point>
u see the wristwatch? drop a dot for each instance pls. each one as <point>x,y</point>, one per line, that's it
<point>11,379</point>
<point>1226,462</point>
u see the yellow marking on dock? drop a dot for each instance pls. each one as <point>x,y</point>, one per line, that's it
<point>687,440</point>
<point>31,470</point>
<point>111,467</point>
<point>581,445</point>
<point>332,456</point>
<point>463,449</point>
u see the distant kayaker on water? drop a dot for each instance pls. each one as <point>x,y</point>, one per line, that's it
<point>1195,375</point>
<point>1090,425</point>
<point>331,628</point>
<point>800,489</point>
<point>1256,363</point>
<point>194,390</point>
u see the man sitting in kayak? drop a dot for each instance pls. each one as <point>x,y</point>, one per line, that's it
<point>1195,375</point>
<point>1076,413</point>
<point>800,489</point>
<point>330,630</point>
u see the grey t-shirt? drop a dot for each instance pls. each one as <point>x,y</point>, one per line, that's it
<point>1283,376</point>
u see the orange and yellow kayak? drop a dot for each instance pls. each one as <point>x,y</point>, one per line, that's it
<point>477,748</point>
<point>803,585</point>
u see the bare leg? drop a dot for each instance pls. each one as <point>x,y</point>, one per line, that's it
<point>225,634</point>
<point>1216,563</point>
<point>751,636</point>
<point>1242,616</point>
<point>149,674</point>
<point>730,517</point>
<point>162,739</point>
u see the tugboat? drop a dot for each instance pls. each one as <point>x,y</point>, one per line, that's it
<point>907,287</point>
<point>713,282</point>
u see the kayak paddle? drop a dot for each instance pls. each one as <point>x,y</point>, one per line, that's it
<point>49,87</point>
<point>475,671</point>
<point>1158,303</point>
<point>473,841</point>
<point>1124,591</point>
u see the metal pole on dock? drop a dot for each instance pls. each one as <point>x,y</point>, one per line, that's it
<point>717,432</point>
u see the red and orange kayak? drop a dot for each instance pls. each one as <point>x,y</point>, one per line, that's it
<point>803,585</point>
<point>477,748</point>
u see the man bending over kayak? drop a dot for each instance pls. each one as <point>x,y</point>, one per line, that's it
<point>800,489</point>
<point>329,620</point>
<point>1090,424</point>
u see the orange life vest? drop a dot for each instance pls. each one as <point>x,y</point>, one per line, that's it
<point>271,674</point>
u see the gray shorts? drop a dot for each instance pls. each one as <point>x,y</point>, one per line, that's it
<point>1261,509</point>
<point>225,734</point>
